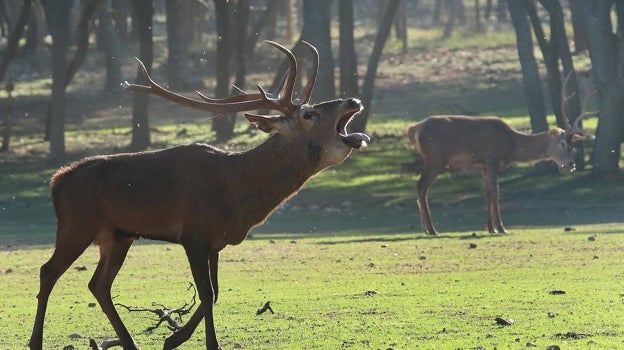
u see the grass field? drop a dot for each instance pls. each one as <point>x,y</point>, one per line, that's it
<point>353,289</point>
<point>344,263</point>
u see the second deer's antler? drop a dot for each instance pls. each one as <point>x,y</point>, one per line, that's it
<point>575,127</point>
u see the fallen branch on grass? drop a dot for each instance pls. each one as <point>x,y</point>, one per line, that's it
<point>172,317</point>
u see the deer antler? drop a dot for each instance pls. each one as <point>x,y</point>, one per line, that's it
<point>245,101</point>
<point>575,127</point>
<point>564,100</point>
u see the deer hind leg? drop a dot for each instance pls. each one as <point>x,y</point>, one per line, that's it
<point>427,177</point>
<point>198,256</point>
<point>69,247</point>
<point>490,184</point>
<point>184,333</point>
<point>112,255</point>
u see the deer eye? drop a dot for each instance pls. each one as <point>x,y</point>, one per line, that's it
<point>310,114</point>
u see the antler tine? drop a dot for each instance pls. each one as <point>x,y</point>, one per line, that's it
<point>584,114</point>
<point>140,88</point>
<point>307,92</point>
<point>564,100</point>
<point>291,75</point>
<point>154,88</point>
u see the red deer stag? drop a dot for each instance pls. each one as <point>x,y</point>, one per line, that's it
<point>448,142</point>
<point>195,195</point>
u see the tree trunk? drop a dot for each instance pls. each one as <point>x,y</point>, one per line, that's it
<point>359,124</point>
<point>121,14</point>
<point>559,44</point>
<point>605,58</point>
<point>454,8</point>
<point>144,11</point>
<point>82,45</point>
<point>580,35</point>
<point>240,16</point>
<point>400,25</point>
<point>57,12</point>
<point>478,27</point>
<point>259,25</point>
<point>111,47</point>
<point>224,125</point>
<point>530,74</point>
<point>316,21</point>
<point>14,37</point>
<point>179,75</point>
<point>348,57</point>
<point>7,125</point>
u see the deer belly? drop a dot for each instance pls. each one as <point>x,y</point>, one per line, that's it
<point>462,160</point>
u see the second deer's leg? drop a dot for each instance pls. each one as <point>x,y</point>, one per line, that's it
<point>184,333</point>
<point>427,177</point>
<point>490,183</point>
<point>68,248</point>
<point>112,255</point>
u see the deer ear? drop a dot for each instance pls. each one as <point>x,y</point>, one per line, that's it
<point>266,123</point>
<point>556,132</point>
<point>577,137</point>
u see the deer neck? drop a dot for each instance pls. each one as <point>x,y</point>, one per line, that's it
<point>530,147</point>
<point>271,173</point>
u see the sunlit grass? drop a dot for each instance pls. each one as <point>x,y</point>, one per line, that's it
<point>352,290</point>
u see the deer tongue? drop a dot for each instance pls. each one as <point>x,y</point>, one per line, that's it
<point>356,140</point>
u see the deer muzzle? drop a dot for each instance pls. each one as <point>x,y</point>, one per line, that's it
<point>354,140</point>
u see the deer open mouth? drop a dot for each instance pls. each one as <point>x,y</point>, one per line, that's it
<point>354,140</point>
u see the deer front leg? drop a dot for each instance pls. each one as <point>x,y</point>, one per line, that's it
<point>184,333</point>
<point>198,254</point>
<point>68,248</point>
<point>490,184</point>
<point>426,179</point>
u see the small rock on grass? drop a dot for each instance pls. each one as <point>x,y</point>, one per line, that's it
<point>504,322</point>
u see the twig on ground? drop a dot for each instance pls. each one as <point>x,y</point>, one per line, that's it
<point>173,317</point>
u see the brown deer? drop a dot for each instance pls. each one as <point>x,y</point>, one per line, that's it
<point>195,195</point>
<point>447,142</point>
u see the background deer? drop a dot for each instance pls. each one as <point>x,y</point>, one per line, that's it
<point>448,142</point>
<point>195,195</point>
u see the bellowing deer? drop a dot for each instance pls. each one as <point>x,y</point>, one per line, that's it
<point>195,195</point>
<point>448,142</point>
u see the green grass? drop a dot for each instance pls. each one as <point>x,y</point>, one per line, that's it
<point>429,292</point>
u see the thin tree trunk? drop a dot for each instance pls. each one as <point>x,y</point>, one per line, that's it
<point>14,38</point>
<point>530,74</point>
<point>144,11</point>
<point>359,124</point>
<point>111,48</point>
<point>223,126</point>
<point>316,21</point>
<point>7,125</point>
<point>603,53</point>
<point>580,34</point>
<point>179,74</point>
<point>347,55</point>
<point>57,12</point>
